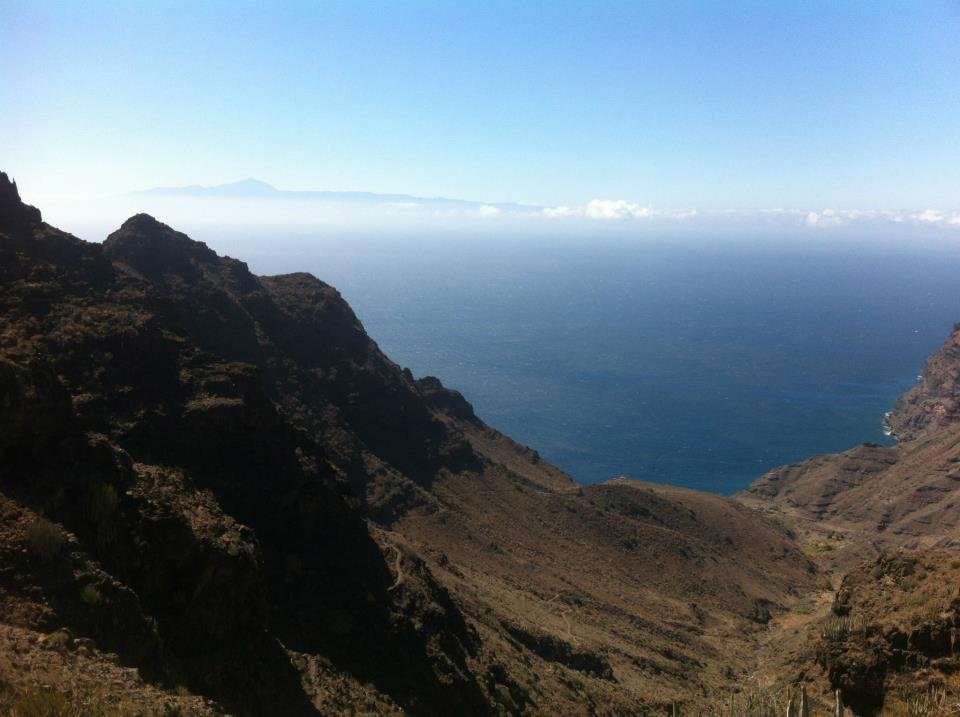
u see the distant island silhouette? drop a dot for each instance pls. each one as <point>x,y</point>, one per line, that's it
<point>255,188</point>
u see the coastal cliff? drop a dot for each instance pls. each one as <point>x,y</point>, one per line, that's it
<point>885,523</point>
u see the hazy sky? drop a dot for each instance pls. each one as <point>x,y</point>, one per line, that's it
<point>712,105</point>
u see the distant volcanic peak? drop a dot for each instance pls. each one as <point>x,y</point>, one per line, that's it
<point>249,187</point>
<point>14,214</point>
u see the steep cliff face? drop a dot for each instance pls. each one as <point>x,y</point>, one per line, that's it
<point>934,403</point>
<point>219,479</point>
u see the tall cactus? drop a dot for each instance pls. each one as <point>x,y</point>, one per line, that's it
<point>797,705</point>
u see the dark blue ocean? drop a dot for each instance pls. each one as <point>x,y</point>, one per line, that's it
<point>697,362</point>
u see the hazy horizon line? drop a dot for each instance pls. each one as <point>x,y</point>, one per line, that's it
<point>250,200</point>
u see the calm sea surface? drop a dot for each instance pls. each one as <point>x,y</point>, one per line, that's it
<point>699,363</point>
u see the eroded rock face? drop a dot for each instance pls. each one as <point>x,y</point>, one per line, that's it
<point>896,632</point>
<point>934,402</point>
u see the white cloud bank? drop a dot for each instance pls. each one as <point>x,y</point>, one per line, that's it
<point>826,218</point>
<point>623,210</point>
<point>484,211</point>
<point>612,209</point>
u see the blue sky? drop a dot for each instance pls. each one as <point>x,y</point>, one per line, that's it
<point>708,105</point>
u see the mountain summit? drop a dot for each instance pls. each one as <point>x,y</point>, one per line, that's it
<point>14,214</point>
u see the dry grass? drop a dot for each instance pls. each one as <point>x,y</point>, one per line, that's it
<point>43,701</point>
<point>923,703</point>
<point>45,539</point>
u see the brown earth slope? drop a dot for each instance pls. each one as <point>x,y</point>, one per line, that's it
<point>885,522</point>
<point>218,492</point>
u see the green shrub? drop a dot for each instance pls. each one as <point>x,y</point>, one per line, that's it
<point>818,547</point>
<point>908,583</point>
<point>90,595</point>
<point>45,539</point>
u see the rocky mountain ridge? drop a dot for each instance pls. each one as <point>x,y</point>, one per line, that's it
<point>248,504</point>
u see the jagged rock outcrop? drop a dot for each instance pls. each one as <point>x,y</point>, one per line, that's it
<point>891,638</point>
<point>17,216</point>
<point>934,403</point>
